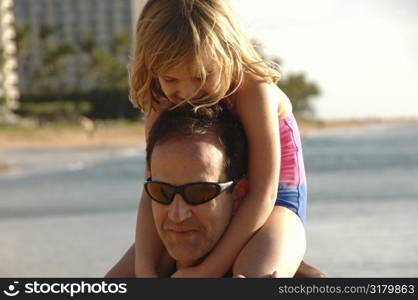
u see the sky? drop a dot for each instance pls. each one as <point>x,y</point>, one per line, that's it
<point>363,54</point>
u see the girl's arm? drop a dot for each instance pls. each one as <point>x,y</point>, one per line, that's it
<point>148,245</point>
<point>125,267</point>
<point>279,246</point>
<point>257,107</point>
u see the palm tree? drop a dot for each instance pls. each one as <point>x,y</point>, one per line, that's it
<point>49,73</point>
<point>300,93</point>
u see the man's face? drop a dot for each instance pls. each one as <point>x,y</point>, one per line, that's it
<point>189,232</point>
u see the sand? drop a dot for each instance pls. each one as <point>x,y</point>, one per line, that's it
<point>38,138</point>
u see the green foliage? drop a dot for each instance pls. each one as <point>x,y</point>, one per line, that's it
<point>107,71</point>
<point>22,38</point>
<point>96,104</point>
<point>54,111</point>
<point>300,92</point>
<point>2,60</point>
<point>104,68</point>
<point>103,78</point>
<point>107,67</point>
<point>101,81</point>
<point>120,44</point>
<point>45,32</point>
<point>55,55</point>
<point>65,107</point>
<point>86,44</point>
<point>49,74</point>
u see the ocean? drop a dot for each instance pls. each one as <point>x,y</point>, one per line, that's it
<point>72,213</point>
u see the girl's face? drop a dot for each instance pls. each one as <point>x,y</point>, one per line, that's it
<point>181,83</point>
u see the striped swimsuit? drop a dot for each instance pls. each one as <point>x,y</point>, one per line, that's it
<point>292,191</point>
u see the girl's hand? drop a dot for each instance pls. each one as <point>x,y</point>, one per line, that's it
<point>273,275</point>
<point>149,274</point>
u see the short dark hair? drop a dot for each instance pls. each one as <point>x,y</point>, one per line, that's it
<point>186,121</point>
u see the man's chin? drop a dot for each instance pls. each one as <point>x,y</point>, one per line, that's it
<point>186,251</point>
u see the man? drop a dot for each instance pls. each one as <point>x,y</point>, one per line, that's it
<point>198,162</point>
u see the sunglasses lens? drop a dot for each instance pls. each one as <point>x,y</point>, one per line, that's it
<point>160,192</point>
<point>200,192</point>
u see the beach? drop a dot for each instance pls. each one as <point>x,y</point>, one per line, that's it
<point>72,137</point>
<point>127,135</point>
<point>71,211</point>
<point>49,145</point>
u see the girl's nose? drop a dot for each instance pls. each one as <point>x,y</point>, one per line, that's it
<point>178,210</point>
<point>188,90</point>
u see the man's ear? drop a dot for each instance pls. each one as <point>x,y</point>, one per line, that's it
<point>239,192</point>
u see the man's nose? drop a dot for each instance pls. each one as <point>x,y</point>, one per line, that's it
<point>179,210</point>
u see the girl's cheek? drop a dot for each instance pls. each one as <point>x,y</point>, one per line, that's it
<point>215,82</point>
<point>210,86</point>
<point>166,90</point>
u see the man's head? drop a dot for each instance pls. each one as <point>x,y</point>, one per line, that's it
<point>184,147</point>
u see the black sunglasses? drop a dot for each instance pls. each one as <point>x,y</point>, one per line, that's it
<point>193,193</point>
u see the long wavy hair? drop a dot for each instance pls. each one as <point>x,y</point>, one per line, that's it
<point>196,32</point>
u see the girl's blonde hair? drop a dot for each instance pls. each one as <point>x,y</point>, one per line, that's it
<point>172,32</point>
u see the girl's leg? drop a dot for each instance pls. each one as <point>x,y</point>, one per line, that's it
<point>277,246</point>
<point>125,267</point>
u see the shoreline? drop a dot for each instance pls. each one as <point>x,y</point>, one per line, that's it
<point>131,135</point>
<point>316,127</point>
<point>128,136</point>
<point>103,143</point>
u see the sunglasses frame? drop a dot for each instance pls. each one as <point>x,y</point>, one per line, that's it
<point>220,188</point>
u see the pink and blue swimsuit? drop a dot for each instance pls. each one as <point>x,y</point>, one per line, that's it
<point>292,192</point>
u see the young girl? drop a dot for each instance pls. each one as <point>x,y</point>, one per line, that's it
<point>193,51</point>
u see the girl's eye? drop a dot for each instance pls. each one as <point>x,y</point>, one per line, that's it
<point>169,79</point>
